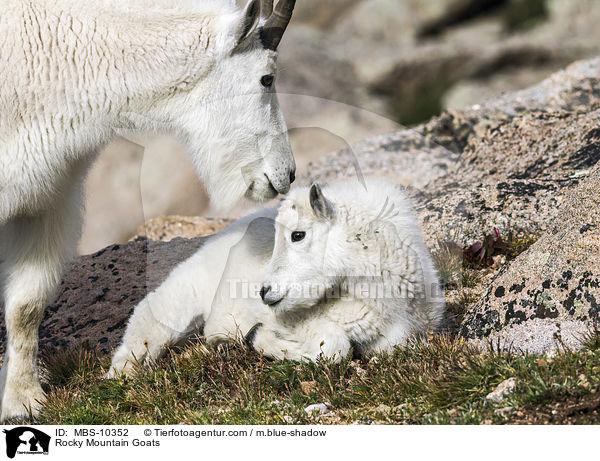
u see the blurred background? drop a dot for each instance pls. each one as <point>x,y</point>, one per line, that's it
<point>350,69</point>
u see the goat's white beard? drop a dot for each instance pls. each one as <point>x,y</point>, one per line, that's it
<point>224,195</point>
<point>227,187</point>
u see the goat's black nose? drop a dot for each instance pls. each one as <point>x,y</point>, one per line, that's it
<point>263,292</point>
<point>292,176</point>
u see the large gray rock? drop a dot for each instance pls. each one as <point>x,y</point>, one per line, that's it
<point>99,291</point>
<point>406,157</point>
<point>513,177</point>
<point>550,295</point>
<point>574,89</point>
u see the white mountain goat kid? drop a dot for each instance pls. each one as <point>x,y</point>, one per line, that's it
<point>75,75</point>
<point>335,271</point>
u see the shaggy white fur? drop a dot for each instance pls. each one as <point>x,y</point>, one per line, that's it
<point>77,74</point>
<point>340,269</point>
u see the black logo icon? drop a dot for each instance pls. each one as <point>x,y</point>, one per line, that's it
<point>26,440</point>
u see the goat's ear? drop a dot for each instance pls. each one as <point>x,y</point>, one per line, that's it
<point>249,22</point>
<point>322,207</point>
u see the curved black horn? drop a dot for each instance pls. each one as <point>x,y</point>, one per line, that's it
<point>275,26</point>
<point>266,8</point>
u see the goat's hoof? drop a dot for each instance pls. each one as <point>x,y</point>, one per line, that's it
<point>222,347</point>
<point>251,335</point>
<point>110,374</point>
<point>22,403</point>
<point>119,370</point>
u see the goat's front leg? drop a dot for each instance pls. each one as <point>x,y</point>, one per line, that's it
<point>165,316</point>
<point>306,341</point>
<point>158,321</point>
<point>33,251</point>
<point>182,303</point>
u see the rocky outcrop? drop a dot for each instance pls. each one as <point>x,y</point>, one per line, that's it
<point>427,49</point>
<point>550,295</point>
<point>406,157</point>
<point>513,177</point>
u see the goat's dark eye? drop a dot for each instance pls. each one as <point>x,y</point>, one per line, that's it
<point>267,80</point>
<point>298,235</point>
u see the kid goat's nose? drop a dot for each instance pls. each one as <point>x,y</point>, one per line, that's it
<point>263,292</point>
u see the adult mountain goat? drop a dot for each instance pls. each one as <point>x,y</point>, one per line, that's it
<point>339,268</point>
<point>73,75</point>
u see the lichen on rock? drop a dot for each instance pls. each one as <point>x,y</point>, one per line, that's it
<point>555,283</point>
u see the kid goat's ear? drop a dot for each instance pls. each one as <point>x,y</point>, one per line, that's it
<point>250,21</point>
<point>322,207</point>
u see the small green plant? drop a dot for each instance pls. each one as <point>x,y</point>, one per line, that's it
<point>481,253</point>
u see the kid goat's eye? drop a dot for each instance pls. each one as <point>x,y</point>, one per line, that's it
<point>298,235</point>
<point>267,80</point>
